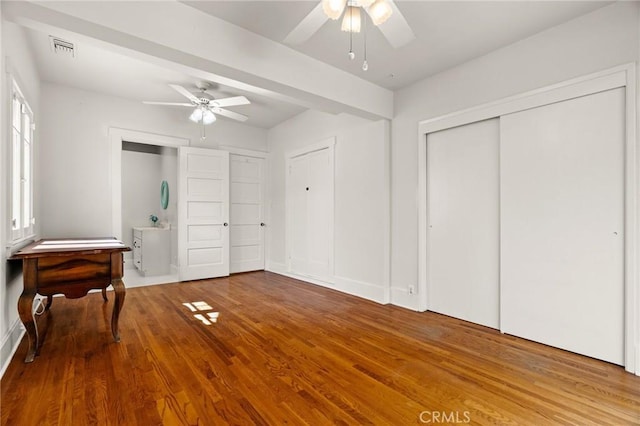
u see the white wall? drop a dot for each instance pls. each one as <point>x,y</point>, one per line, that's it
<point>75,179</point>
<point>600,40</point>
<point>361,197</point>
<point>16,54</point>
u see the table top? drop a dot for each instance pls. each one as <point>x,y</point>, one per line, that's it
<point>70,247</point>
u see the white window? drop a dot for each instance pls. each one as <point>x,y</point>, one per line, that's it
<point>22,219</point>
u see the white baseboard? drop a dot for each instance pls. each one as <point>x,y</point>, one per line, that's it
<point>401,297</point>
<point>10,344</point>
<point>362,289</point>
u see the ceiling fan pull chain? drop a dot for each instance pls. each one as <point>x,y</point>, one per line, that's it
<point>352,55</point>
<point>365,64</point>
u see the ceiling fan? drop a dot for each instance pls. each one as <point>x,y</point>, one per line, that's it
<point>383,13</point>
<point>205,107</point>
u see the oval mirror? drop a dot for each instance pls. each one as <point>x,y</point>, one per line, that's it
<point>164,194</point>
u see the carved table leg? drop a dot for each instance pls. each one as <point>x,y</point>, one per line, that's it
<point>25,306</point>
<point>104,294</point>
<point>49,302</point>
<point>119,290</point>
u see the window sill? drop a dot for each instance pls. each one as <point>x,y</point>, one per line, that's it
<point>14,246</point>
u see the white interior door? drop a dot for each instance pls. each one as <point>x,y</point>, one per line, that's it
<point>203,213</point>
<point>247,213</point>
<point>463,222</point>
<point>310,214</point>
<point>297,220</point>
<point>562,235</point>
<point>319,212</point>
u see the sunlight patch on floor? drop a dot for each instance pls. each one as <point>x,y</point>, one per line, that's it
<point>210,318</point>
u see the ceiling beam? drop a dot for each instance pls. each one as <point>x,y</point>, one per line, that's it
<point>185,39</point>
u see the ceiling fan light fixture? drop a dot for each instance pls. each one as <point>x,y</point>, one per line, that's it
<point>365,3</point>
<point>380,11</point>
<point>196,115</point>
<point>351,20</point>
<point>208,117</point>
<point>333,8</point>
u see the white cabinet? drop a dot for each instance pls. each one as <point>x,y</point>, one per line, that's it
<point>152,250</point>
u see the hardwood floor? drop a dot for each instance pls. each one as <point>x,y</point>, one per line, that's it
<point>286,352</point>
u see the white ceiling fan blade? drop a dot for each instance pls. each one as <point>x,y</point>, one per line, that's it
<point>185,92</point>
<point>308,26</point>
<point>230,114</point>
<point>396,29</point>
<point>167,103</point>
<point>225,102</point>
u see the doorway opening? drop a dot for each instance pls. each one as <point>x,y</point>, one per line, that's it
<point>144,174</point>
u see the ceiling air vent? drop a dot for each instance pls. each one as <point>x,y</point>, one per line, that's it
<point>62,47</point>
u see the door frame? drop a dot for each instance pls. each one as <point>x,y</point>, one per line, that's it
<point>621,76</point>
<point>328,143</point>
<point>116,137</point>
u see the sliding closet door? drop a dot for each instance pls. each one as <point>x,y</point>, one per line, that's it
<point>562,204</point>
<point>463,222</point>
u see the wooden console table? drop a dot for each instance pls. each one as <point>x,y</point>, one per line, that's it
<point>71,267</point>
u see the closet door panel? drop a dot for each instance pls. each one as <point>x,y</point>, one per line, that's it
<point>203,213</point>
<point>562,217</point>
<point>297,215</point>
<point>463,219</point>
<point>246,213</point>
<point>318,213</point>
<point>310,214</point>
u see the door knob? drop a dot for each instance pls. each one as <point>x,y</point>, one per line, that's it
<point>261,223</point>
<point>225,224</point>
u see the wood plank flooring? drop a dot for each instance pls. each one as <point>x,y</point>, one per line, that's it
<point>286,352</point>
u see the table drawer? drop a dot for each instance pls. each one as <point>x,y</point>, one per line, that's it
<point>60,269</point>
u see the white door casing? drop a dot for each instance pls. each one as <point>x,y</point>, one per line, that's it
<point>464,224</point>
<point>247,227</point>
<point>203,213</point>
<point>562,224</point>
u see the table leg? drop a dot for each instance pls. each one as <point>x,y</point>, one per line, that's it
<point>104,294</point>
<point>49,302</point>
<point>119,290</point>
<point>25,306</point>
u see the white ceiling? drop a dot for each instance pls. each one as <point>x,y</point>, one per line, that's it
<point>448,34</point>
<point>110,73</point>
